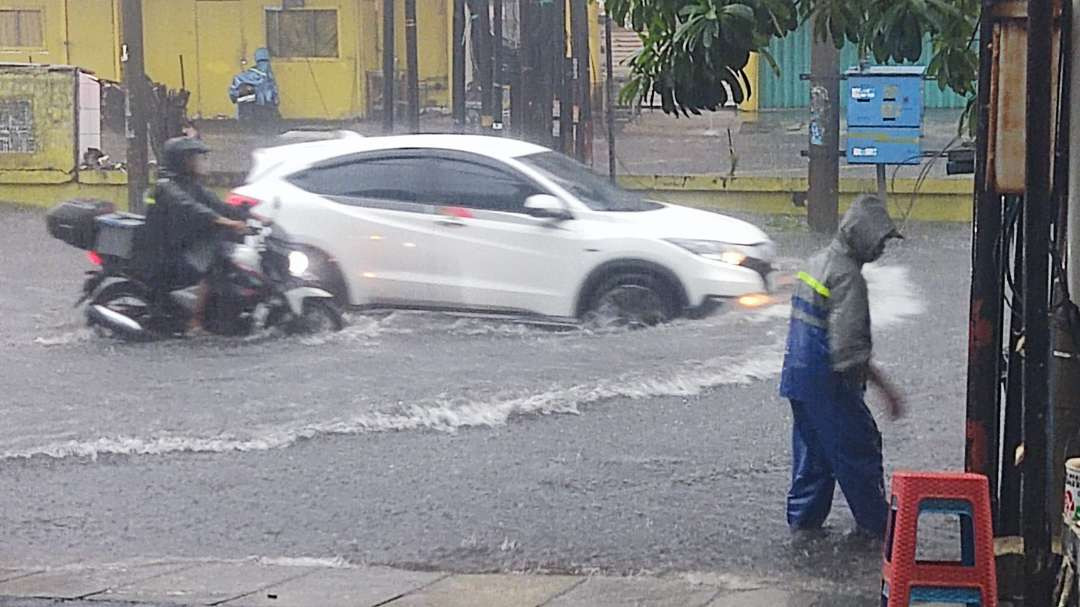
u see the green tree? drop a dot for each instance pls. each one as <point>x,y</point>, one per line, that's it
<point>695,51</point>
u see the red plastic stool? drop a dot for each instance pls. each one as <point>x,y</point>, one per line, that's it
<point>970,581</point>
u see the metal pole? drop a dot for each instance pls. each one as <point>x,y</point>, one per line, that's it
<point>134,76</point>
<point>564,82</point>
<point>497,66</point>
<point>882,182</point>
<point>412,67</point>
<point>823,197</point>
<point>458,77</point>
<point>482,45</point>
<point>982,427</point>
<point>1037,415</point>
<point>1008,497</point>
<point>609,109</point>
<point>388,66</point>
<point>579,28</point>
<point>519,115</point>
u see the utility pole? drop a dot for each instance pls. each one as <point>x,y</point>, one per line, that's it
<point>497,66</point>
<point>609,97</point>
<point>1038,457</point>
<point>457,85</point>
<point>388,66</point>
<point>412,68</point>
<point>582,112</point>
<point>823,198</point>
<point>134,76</point>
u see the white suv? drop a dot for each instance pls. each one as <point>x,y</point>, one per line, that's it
<point>493,225</point>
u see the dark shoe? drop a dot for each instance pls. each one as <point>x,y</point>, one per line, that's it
<point>804,537</point>
<point>863,539</point>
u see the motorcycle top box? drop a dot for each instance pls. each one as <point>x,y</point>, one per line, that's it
<point>117,234</point>
<point>74,221</point>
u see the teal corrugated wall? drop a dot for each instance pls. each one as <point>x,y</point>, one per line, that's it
<point>792,55</point>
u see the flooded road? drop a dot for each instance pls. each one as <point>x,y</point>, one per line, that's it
<point>441,441</point>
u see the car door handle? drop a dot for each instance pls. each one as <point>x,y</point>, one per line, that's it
<point>450,223</point>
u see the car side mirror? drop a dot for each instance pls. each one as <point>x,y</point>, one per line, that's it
<point>548,207</point>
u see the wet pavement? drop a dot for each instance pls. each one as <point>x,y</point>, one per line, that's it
<point>437,442</point>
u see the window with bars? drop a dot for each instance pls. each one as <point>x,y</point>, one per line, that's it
<point>22,28</point>
<point>302,32</point>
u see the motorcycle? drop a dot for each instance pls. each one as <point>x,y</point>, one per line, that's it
<point>262,283</point>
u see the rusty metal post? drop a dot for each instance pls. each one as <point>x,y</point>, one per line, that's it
<point>982,454</point>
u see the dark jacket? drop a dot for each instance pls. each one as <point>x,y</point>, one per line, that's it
<point>180,235</point>
<point>829,343</point>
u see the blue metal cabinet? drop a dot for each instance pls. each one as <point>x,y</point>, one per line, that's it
<point>885,114</point>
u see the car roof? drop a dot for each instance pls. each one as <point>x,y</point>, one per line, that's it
<point>287,159</point>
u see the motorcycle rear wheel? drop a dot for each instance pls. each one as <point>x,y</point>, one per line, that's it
<point>126,298</point>
<point>319,316</point>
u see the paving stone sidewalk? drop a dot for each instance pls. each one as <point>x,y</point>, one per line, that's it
<point>300,583</point>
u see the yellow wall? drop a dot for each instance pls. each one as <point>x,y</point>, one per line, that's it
<point>51,94</point>
<point>217,39</point>
<point>432,42</point>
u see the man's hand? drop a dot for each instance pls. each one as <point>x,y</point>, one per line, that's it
<point>894,401</point>
<point>239,227</point>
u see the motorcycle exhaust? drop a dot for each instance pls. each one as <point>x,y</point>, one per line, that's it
<point>116,321</point>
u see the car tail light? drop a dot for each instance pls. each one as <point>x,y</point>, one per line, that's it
<point>94,257</point>
<point>238,200</point>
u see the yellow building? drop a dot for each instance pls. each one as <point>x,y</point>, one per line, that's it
<point>327,53</point>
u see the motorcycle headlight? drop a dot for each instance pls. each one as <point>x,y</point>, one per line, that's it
<point>713,249</point>
<point>298,263</point>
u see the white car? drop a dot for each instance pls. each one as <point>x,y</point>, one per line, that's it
<point>494,225</point>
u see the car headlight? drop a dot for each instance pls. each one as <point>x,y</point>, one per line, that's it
<point>713,249</point>
<point>298,263</point>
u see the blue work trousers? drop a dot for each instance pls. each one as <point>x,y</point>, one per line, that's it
<point>834,440</point>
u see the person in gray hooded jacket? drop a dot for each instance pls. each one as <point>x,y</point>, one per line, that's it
<point>827,364</point>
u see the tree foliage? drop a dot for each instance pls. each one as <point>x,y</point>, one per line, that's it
<point>696,51</point>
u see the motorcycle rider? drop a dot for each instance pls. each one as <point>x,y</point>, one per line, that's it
<point>184,224</point>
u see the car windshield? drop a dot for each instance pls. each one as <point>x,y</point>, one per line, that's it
<point>595,191</point>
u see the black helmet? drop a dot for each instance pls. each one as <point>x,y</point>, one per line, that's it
<point>177,151</point>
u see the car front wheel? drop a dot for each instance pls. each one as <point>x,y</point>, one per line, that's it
<point>631,301</point>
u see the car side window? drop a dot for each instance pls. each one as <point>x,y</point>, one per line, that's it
<point>394,178</point>
<point>476,186</point>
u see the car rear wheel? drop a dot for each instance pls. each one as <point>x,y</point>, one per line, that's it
<point>630,301</point>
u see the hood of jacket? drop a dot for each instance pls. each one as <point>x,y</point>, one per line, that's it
<point>865,228</point>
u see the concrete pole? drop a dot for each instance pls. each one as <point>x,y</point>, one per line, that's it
<point>134,75</point>
<point>823,197</point>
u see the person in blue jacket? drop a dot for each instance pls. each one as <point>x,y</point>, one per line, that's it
<point>827,364</point>
<point>255,91</point>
